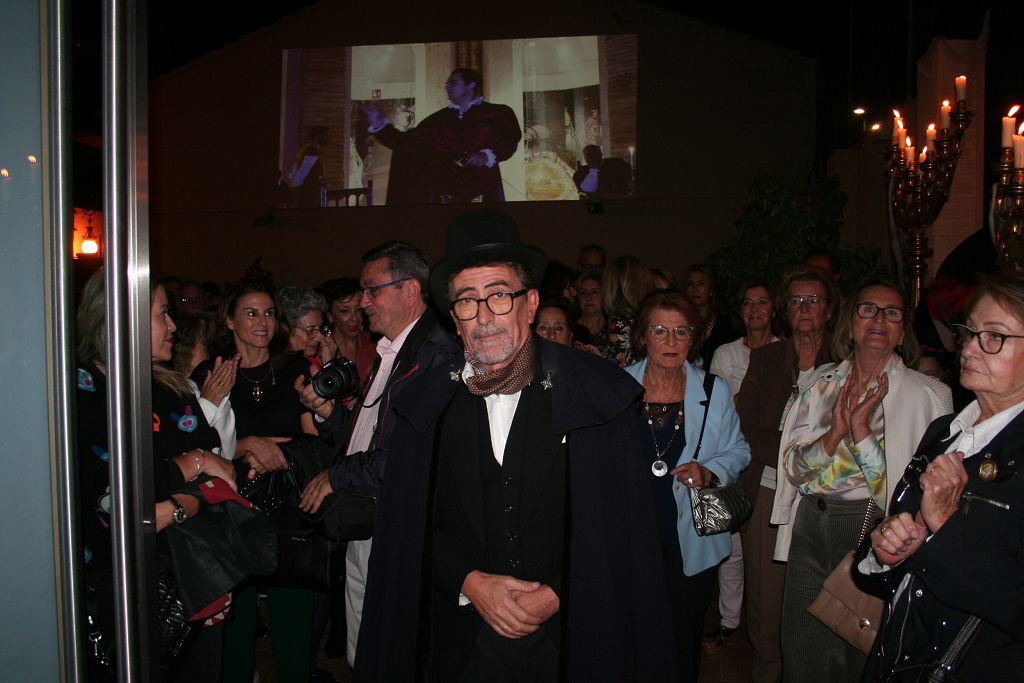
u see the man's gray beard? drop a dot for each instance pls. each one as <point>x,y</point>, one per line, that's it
<point>496,355</point>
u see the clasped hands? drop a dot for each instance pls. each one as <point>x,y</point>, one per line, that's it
<point>511,607</point>
<point>852,417</point>
<point>942,483</point>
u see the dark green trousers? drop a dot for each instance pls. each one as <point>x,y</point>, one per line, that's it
<point>290,617</point>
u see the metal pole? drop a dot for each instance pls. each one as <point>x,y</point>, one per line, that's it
<point>57,204</point>
<point>129,358</point>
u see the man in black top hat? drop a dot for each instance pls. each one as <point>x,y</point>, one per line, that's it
<point>515,536</point>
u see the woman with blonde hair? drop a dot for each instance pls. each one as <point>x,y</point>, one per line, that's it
<point>185,446</point>
<point>624,284</point>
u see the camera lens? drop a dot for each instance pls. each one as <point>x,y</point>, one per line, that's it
<point>337,378</point>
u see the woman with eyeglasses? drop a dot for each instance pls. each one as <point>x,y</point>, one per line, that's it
<point>687,448</point>
<point>805,304</point>
<point>950,552</point>
<point>846,441</point>
<point>301,313</point>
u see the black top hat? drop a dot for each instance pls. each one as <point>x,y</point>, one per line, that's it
<point>481,237</point>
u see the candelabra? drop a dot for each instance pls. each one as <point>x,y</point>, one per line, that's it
<point>1008,213</point>
<point>919,189</point>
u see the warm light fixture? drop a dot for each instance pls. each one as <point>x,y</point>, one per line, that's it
<point>32,159</point>
<point>90,245</point>
<point>4,173</point>
<point>859,111</point>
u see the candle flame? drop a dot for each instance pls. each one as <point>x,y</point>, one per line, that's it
<point>1020,130</point>
<point>896,113</point>
<point>4,173</point>
<point>963,76</point>
<point>931,126</point>
<point>909,143</point>
<point>899,122</point>
<point>945,103</point>
<point>1013,110</point>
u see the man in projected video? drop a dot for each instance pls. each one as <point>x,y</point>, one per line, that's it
<point>453,154</point>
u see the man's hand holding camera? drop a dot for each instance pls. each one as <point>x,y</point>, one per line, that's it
<point>308,397</point>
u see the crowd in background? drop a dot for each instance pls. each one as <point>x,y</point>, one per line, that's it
<point>820,403</point>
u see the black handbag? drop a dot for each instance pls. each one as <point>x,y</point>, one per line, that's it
<point>176,632</point>
<point>303,556</point>
<point>717,509</point>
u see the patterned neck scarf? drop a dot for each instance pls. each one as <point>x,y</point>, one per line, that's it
<point>510,379</point>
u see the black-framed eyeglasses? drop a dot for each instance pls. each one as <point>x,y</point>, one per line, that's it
<point>812,301</point>
<point>869,309</point>
<point>988,341</point>
<point>499,303</point>
<point>371,290</point>
<point>660,333</point>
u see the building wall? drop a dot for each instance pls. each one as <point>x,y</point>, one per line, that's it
<point>713,108</point>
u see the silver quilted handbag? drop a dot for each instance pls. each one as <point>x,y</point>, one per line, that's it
<point>719,509</point>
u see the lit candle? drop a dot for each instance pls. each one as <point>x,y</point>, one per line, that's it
<point>908,153</point>
<point>902,134</point>
<point>922,157</point>
<point>1018,148</point>
<point>946,110</point>
<point>1009,124</point>
<point>929,138</point>
<point>961,88</point>
<point>896,126</point>
<point>5,188</point>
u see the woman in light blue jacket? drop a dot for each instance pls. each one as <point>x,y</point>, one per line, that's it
<point>672,410</point>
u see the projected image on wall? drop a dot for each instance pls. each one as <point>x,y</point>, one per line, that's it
<point>478,121</point>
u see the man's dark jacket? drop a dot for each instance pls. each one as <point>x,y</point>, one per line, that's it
<point>428,345</point>
<point>614,607</point>
<point>424,169</point>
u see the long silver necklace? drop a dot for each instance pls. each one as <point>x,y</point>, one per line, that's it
<point>660,468</point>
<point>257,390</point>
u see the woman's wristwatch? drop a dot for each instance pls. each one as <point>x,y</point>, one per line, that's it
<point>180,514</point>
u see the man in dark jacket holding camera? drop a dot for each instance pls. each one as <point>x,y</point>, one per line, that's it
<point>394,298</point>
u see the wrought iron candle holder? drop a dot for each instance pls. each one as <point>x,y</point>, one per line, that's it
<point>919,190</point>
<point>1008,214</point>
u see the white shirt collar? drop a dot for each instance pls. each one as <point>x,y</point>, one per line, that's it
<point>394,346</point>
<point>462,111</point>
<point>974,435</point>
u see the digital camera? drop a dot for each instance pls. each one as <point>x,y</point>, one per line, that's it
<point>338,378</point>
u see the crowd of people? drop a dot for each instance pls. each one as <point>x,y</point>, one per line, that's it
<point>530,433</point>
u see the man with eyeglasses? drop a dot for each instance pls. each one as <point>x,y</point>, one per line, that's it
<point>394,298</point>
<point>515,536</point>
